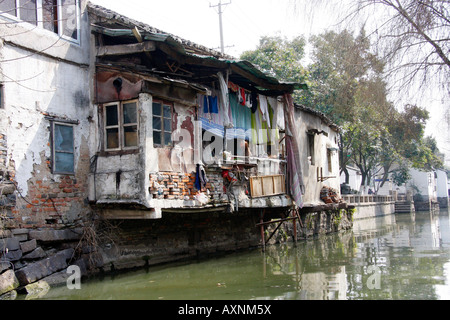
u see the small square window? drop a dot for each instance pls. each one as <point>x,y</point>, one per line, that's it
<point>63,149</point>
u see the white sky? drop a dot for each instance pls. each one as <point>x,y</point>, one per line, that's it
<point>244,23</point>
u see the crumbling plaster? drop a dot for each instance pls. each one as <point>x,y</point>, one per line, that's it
<point>42,87</point>
<point>135,169</point>
<point>305,121</point>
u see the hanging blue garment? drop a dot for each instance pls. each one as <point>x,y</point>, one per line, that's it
<point>200,178</point>
<point>210,105</point>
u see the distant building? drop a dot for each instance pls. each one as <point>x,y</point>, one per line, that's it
<point>442,189</point>
<point>424,188</point>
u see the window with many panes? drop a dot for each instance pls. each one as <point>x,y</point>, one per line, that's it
<point>63,148</point>
<point>59,16</point>
<point>162,124</point>
<point>121,125</point>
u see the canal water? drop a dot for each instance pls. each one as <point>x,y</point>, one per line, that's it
<point>403,256</point>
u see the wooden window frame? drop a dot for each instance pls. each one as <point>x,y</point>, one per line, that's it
<point>120,125</point>
<point>163,131</point>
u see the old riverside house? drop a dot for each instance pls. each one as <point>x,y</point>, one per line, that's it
<point>124,146</point>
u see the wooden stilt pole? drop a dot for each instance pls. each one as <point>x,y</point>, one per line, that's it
<point>295,227</point>
<point>262,232</point>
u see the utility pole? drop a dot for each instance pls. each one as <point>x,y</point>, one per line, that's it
<point>219,5</point>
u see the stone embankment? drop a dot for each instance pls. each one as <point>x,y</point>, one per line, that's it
<point>31,261</point>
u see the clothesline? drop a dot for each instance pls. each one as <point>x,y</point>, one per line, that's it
<point>231,111</point>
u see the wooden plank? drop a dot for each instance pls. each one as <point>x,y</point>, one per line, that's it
<point>265,186</point>
<point>257,190</point>
<point>278,185</point>
<point>267,183</point>
<point>124,49</point>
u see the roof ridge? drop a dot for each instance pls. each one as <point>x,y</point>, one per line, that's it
<point>113,15</point>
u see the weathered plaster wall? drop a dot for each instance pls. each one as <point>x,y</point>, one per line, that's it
<point>44,76</point>
<point>128,176</point>
<point>423,185</point>
<point>304,122</point>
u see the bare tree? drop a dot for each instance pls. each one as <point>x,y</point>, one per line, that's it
<point>413,36</point>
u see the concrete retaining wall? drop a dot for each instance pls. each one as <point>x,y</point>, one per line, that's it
<point>372,210</point>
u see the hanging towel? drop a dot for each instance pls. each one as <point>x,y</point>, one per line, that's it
<point>225,102</point>
<point>273,109</point>
<point>263,105</point>
<point>259,129</point>
<point>280,117</point>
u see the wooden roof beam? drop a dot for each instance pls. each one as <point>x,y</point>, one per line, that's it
<point>125,49</point>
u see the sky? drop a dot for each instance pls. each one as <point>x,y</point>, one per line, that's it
<point>244,23</point>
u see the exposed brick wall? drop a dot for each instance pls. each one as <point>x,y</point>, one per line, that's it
<point>170,185</point>
<point>173,186</point>
<point>54,200</point>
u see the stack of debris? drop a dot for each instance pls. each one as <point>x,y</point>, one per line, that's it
<point>329,195</point>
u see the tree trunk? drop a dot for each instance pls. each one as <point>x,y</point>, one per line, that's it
<point>347,175</point>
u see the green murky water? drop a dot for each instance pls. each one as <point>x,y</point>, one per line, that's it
<point>394,257</point>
